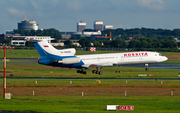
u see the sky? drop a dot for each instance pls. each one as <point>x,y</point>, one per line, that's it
<point>64,15</point>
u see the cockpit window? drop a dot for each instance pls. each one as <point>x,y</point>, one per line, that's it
<point>161,55</point>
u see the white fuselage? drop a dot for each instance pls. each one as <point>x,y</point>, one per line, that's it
<point>143,57</point>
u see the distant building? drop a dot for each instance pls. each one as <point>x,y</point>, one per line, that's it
<point>87,33</point>
<point>2,38</point>
<point>81,26</point>
<point>98,25</point>
<point>9,32</point>
<point>28,25</point>
<point>66,35</point>
<point>108,27</point>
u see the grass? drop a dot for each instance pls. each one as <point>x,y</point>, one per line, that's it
<point>30,69</point>
<point>89,81</point>
<point>26,69</point>
<point>21,53</point>
<point>90,104</point>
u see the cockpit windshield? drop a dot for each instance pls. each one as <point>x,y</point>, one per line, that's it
<point>161,55</point>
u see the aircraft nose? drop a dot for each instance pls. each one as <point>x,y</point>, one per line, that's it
<point>162,59</point>
<point>165,58</point>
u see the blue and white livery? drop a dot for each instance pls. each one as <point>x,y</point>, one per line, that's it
<point>67,58</point>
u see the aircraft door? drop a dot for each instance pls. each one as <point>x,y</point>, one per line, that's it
<point>140,56</point>
<point>122,58</point>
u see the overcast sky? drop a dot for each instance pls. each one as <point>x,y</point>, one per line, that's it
<point>64,15</point>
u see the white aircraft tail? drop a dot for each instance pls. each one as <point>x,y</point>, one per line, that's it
<point>45,49</point>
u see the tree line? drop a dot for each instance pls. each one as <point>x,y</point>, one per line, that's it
<point>137,33</point>
<point>142,38</point>
<point>141,43</point>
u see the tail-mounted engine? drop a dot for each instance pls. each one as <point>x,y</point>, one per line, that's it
<point>69,60</point>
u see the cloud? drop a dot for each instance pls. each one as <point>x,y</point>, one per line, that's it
<point>157,5</point>
<point>34,4</point>
<point>15,12</point>
<point>74,5</point>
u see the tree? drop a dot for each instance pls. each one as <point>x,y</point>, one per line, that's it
<point>84,42</point>
<point>7,42</point>
<point>132,44</point>
<point>97,44</point>
<point>169,44</point>
<point>118,43</point>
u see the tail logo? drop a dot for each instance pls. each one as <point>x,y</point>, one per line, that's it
<point>46,46</point>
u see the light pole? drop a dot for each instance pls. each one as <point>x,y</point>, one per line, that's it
<point>4,70</point>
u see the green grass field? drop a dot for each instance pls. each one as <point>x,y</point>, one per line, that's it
<point>91,104</point>
<point>82,104</point>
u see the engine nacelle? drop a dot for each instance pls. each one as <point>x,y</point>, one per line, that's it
<point>69,60</point>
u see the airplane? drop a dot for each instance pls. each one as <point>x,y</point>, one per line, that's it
<point>66,58</point>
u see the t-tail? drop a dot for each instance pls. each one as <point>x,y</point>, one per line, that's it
<point>50,55</point>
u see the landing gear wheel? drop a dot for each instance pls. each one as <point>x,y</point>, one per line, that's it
<point>147,69</point>
<point>100,73</point>
<point>78,71</point>
<point>84,72</point>
<point>97,71</point>
<point>81,71</point>
<point>93,71</point>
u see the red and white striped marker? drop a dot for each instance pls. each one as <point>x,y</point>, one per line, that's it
<point>4,70</point>
<point>92,49</point>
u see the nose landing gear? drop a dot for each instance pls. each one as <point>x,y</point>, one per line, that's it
<point>146,67</point>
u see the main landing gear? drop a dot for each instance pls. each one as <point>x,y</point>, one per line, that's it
<point>97,71</point>
<point>81,71</point>
<point>146,67</point>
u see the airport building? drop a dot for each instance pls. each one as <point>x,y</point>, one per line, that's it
<point>28,25</point>
<point>98,25</point>
<point>81,26</point>
<point>87,33</point>
<point>21,40</point>
<point>108,27</point>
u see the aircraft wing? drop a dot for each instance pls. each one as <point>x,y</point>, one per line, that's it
<point>99,65</point>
